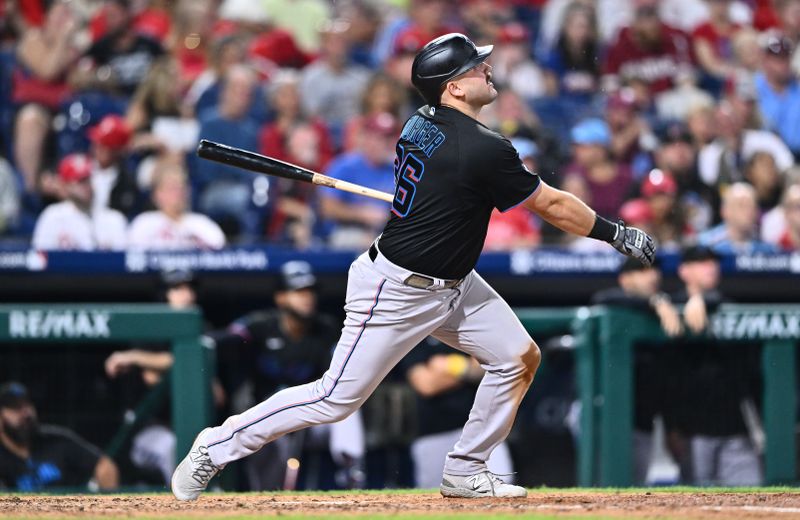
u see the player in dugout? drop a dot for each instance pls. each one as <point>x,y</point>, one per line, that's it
<point>35,457</point>
<point>418,280</point>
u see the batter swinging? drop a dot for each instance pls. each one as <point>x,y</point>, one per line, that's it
<point>418,280</point>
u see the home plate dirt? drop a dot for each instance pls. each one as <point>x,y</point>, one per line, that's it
<point>718,506</point>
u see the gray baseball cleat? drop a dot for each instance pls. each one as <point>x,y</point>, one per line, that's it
<point>480,485</point>
<point>194,472</point>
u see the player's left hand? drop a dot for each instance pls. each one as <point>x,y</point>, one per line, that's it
<point>634,242</point>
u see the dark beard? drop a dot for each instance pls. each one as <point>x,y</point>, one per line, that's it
<point>22,434</point>
<point>305,319</point>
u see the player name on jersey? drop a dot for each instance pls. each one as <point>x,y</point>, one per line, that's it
<point>58,324</point>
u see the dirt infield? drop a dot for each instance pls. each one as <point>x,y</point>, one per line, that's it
<point>540,504</point>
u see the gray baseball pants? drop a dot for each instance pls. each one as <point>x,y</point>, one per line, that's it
<point>384,320</point>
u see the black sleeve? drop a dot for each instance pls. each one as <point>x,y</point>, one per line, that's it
<point>713,300</point>
<point>80,456</point>
<point>509,181</point>
<point>615,296</point>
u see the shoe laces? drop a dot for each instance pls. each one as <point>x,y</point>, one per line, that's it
<point>203,468</point>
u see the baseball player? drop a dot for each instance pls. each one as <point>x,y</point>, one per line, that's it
<point>417,280</point>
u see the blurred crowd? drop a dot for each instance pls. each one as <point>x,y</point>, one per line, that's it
<point>680,116</point>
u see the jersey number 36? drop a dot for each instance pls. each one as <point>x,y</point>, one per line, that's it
<point>407,173</point>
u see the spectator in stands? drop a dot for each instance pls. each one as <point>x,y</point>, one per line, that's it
<point>722,161</point>
<point>639,288</point>
<point>365,19</point>
<point>113,184</point>
<point>304,28</point>
<point>226,193</point>
<point>300,140</point>
<point>485,20</point>
<point>39,85</point>
<point>572,64</point>
<point>357,220</point>
<point>171,225</point>
<point>719,381</point>
<point>637,213</point>
<point>738,232</point>
<point>163,124</point>
<point>37,457</point>
<point>275,349</point>
<point>713,45</point>
<point>332,86</point>
<point>660,191</point>
<point>516,228</point>
<point>120,59</point>
<point>224,52</point>
<point>608,182</point>
<point>9,198</point>
<point>779,91</point>
<point>676,154</point>
<point>444,383</point>
<point>628,128</point>
<point>427,20</point>
<point>747,54</point>
<point>762,173</point>
<point>139,369</point>
<point>74,224</point>
<point>511,116</point>
<point>294,216</point>
<point>701,125</point>
<point>191,37</point>
<point>612,16</point>
<point>285,100</point>
<point>648,51</point>
<point>381,94</point>
<point>272,47</point>
<point>398,67</point>
<point>785,221</point>
<point>512,65</point>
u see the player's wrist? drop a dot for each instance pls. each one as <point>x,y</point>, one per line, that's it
<point>660,299</point>
<point>604,229</point>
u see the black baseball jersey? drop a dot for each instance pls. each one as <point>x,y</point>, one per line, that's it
<point>451,171</point>
<point>58,458</point>
<point>445,411</point>
<point>273,360</point>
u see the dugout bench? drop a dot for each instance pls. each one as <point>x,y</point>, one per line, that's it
<point>191,375</point>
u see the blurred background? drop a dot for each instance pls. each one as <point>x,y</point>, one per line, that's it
<point>680,116</point>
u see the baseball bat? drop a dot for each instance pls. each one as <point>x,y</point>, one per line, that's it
<point>256,162</point>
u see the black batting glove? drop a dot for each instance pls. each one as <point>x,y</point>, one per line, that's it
<point>634,242</point>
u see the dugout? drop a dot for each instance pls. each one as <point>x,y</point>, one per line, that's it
<point>93,325</point>
<point>606,338</point>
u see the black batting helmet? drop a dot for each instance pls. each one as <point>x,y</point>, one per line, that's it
<point>443,59</point>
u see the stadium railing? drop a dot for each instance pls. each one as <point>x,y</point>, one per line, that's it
<point>605,340</point>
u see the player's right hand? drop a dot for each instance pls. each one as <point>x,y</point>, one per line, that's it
<point>634,242</point>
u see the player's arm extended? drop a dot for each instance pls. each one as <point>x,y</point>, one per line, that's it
<point>568,213</point>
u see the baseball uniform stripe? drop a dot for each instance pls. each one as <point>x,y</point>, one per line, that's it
<point>327,394</point>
